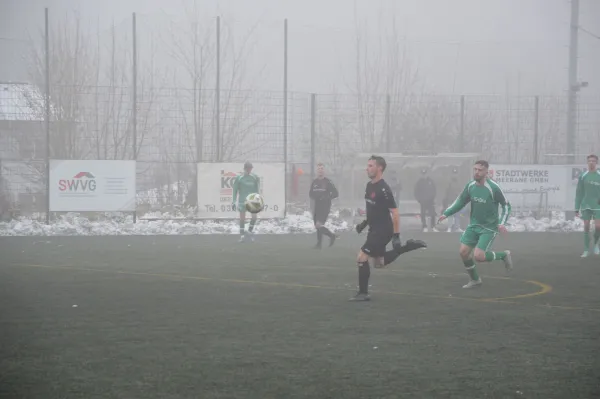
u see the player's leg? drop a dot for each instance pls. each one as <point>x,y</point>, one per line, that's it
<point>321,215</point>
<point>597,232</point>
<point>369,249</point>
<point>393,254</point>
<point>586,216</point>
<point>468,240</point>
<point>364,273</point>
<point>483,252</point>
<point>423,216</point>
<point>242,221</point>
<point>253,218</point>
<point>432,215</point>
<point>319,233</point>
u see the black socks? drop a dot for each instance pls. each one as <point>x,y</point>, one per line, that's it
<point>364,272</point>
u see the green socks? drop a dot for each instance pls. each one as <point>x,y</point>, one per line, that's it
<point>470,265</point>
<point>242,223</point>
<point>490,256</point>
<point>252,223</point>
<point>586,236</point>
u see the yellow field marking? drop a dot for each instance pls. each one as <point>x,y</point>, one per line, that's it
<point>545,288</point>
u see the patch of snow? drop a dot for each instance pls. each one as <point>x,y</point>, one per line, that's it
<point>181,222</point>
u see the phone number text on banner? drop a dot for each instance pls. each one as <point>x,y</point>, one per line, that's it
<point>215,189</point>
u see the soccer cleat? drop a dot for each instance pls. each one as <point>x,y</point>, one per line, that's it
<point>411,245</point>
<point>597,249</point>
<point>473,283</point>
<point>433,229</point>
<point>585,254</point>
<point>508,264</point>
<point>332,239</point>
<point>360,297</point>
<point>425,230</point>
<point>251,236</point>
<point>317,246</point>
<point>241,238</point>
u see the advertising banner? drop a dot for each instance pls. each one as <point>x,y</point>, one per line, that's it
<point>92,185</point>
<point>533,187</point>
<point>215,189</point>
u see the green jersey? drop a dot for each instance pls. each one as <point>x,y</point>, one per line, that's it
<point>587,195</point>
<point>244,185</point>
<point>485,200</point>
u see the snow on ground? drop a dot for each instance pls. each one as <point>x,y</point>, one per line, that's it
<point>71,224</point>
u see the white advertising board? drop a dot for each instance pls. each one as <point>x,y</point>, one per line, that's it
<point>215,189</point>
<point>525,185</point>
<point>87,186</point>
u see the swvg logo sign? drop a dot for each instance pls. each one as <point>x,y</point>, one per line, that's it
<point>82,182</point>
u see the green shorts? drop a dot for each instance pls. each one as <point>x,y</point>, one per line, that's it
<point>478,237</point>
<point>590,214</point>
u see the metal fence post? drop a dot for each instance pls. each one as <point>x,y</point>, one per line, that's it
<point>388,117</point>
<point>536,130</point>
<point>134,100</point>
<point>461,139</point>
<point>313,135</point>
<point>47,113</point>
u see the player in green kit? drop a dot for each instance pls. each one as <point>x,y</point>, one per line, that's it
<point>244,185</point>
<point>485,196</point>
<point>587,203</point>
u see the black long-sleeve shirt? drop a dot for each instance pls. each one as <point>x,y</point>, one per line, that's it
<point>322,191</point>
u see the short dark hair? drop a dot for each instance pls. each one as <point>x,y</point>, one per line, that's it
<point>483,163</point>
<point>321,164</point>
<point>380,161</point>
<point>592,156</point>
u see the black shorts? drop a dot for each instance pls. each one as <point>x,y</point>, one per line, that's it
<point>376,243</point>
<point>321,214</point>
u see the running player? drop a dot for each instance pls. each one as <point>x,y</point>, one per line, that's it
<point>587,203</point>
<point>485,195</point>
<point>384,226</point>
<point>322,191</point>
<point>244,185</point>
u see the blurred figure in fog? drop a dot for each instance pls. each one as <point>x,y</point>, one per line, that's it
<point>452,192</point>
<point>425,193</point>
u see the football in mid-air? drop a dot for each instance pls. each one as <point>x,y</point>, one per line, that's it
<point>254,203</point>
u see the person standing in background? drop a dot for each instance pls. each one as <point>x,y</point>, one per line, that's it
<point>425,192</point>
<point>452,192</point>
<point>322,191</point>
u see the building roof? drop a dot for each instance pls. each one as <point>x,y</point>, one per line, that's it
<point>21,102</point>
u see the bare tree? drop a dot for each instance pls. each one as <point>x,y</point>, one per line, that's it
<point>383,71</point>
<point>91,101</point>
<point>193,44</point>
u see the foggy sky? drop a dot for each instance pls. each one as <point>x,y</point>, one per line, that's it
<point>459,46</point>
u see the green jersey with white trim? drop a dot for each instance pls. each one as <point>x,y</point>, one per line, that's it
<point>587,195</point>
<point>485,200</point>
<point>243,186</point>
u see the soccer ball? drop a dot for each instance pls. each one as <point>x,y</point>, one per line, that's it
<point>254,203</point>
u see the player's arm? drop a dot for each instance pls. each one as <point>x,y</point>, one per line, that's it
<point>256,183</point>
<point>579,193</point>
<point>459,203</point>
<point>333,192</point>
<point>393,207</point>
<point>504,204</point>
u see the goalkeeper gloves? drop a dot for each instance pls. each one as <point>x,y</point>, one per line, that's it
<point>396,241</point>
<point>360,227</point>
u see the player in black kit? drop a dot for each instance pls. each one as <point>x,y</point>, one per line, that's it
<point>322,191</point>
<point>384,226</point>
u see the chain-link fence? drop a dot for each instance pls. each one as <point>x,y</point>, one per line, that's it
<point>176,128</point>
<point>112,108</point>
